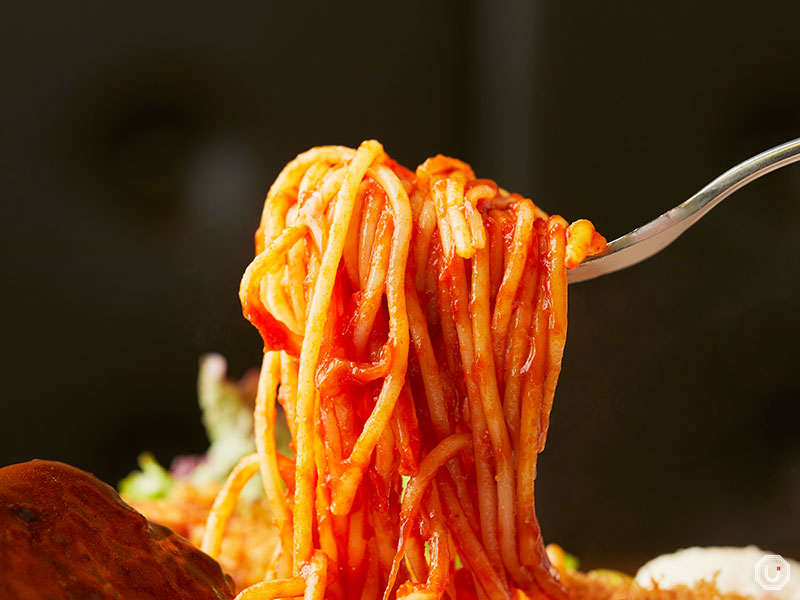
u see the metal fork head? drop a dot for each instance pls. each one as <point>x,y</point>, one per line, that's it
<point>649,239</point>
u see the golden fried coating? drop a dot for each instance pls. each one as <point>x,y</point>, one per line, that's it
<point>599,586</point>
<point>185,511</point>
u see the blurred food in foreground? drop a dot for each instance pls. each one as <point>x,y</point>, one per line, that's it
<point>734,570</point>
<point>182,497</point>
<point>227,414</point>
<point>64,534</point>
<point>185,510</point>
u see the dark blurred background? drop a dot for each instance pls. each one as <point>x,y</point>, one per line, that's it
<point>139,139</point>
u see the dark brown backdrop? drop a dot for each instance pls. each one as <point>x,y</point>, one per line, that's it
<point>139,139</point>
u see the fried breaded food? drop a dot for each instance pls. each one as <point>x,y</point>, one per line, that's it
<point>185,510</point>
<point>597,586</point>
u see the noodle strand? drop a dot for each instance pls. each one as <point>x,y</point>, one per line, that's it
<point>414,326</point>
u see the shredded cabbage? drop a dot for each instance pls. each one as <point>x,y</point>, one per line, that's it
<point>227,414</point>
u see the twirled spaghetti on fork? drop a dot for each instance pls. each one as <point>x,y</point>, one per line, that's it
<point>414,324</point>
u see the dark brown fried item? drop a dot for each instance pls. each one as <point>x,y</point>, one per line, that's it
<point>64,534</point>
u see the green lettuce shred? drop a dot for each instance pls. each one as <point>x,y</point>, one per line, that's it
<point>150,482</point>
<point>571,562</point>
<point>227,417</point>
<point>227,414</point>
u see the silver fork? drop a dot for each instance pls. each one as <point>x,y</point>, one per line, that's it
<point>647,240</point>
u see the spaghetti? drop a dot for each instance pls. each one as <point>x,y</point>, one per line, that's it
<point>414,325</point>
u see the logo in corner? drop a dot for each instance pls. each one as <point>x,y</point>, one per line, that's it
<point>772,572</point>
